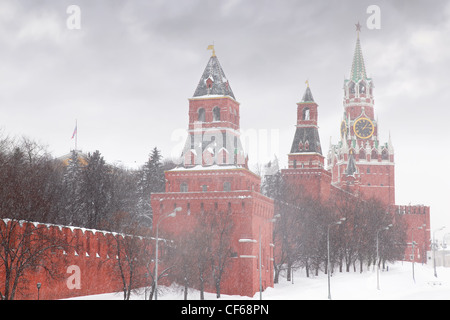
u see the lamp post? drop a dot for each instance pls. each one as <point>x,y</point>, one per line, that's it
<point>38,285</point>
<point>434,250</point>
<point>413,257</point>
<point>170,215</point>
<point>328,253</point>
<point>378,256</point>
<point>412,247</point>
<point>260,252</point>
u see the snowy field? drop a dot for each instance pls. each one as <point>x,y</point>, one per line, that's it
<point>395,284</point>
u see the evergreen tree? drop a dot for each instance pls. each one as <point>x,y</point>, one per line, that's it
<point>157,179</point>
<point>151,180</point>
<point>71,201</point>
<point>95,190</point>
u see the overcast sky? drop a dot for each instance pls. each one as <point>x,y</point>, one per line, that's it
<point>126,75</point>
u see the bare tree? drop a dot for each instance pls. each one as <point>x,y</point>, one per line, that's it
<point>184,273</point>
<point>166,263</point>
<point>27,194</point>
<point>25,248</point>
<point>129,247</point>
<point>219,228</point>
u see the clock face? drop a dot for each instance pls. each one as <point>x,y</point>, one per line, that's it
<point>363,128</point>
<point>343,129</point>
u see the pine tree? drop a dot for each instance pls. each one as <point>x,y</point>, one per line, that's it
<point>157,179</point>
<point>95,190</point>
<point>151,180</point>
<point>71,202</point>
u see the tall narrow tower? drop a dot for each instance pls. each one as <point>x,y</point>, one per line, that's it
<point>212,178</point>
<point>213,122</point>
<point>360,162</point>
<point>306,170</point>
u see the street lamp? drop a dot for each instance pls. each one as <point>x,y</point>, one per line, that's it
<point>412,247</point>
<point>38,285</point>
<point>378,256</point>
<point>260,264</point>
<point>434,250</point>
<point>170,215</point>
<point>328,252</point>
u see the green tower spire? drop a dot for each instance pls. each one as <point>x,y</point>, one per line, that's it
<point>358,68</point>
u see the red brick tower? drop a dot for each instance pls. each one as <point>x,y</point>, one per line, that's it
<point>305,161</point>
<point>213,177</point>
<point>360,162</point>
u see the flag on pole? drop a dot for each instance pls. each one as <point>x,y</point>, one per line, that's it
<point>74,131</point>
<point>75,134</point>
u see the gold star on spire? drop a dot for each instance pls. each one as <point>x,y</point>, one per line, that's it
<point>358,28</point>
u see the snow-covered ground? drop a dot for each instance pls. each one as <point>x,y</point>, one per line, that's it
<point>395,284</point>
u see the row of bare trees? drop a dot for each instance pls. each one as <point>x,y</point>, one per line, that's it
<point>36,187</point>
<point>197,258</point>
<point>301,232</point>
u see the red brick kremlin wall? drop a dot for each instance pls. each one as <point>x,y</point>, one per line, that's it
<point>86,266</point>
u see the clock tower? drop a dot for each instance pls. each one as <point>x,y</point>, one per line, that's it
<point>360,162</point>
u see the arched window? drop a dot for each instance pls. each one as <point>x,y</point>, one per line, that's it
<point>374,155</point>
<point>226,186</point>
<point>385,155</point>
<point>362,154</point>
<point>351,88</point>
<point>362,87</point>
<point>306,114</point>
<point>216,114</point>
<point>307,145</point>
<point>300,146</point>
<point>201,115</point>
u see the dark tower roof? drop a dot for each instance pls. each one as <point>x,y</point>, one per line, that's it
<point>306,140</point>
<point>213,81</point>
<point>351,166</point>
<point>307,96</point>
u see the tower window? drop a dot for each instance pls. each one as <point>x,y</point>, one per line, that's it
<point>362,88</point>
<point>201,115</point>
<point>204,188</point>
<point>351,87</point>
<point>226,186</point>
<point>209,83</point>
<point>374,155</point>
<point>306,115</point>
<point>216,114</point>
<point>184,187</point>
<point>362,154</point>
